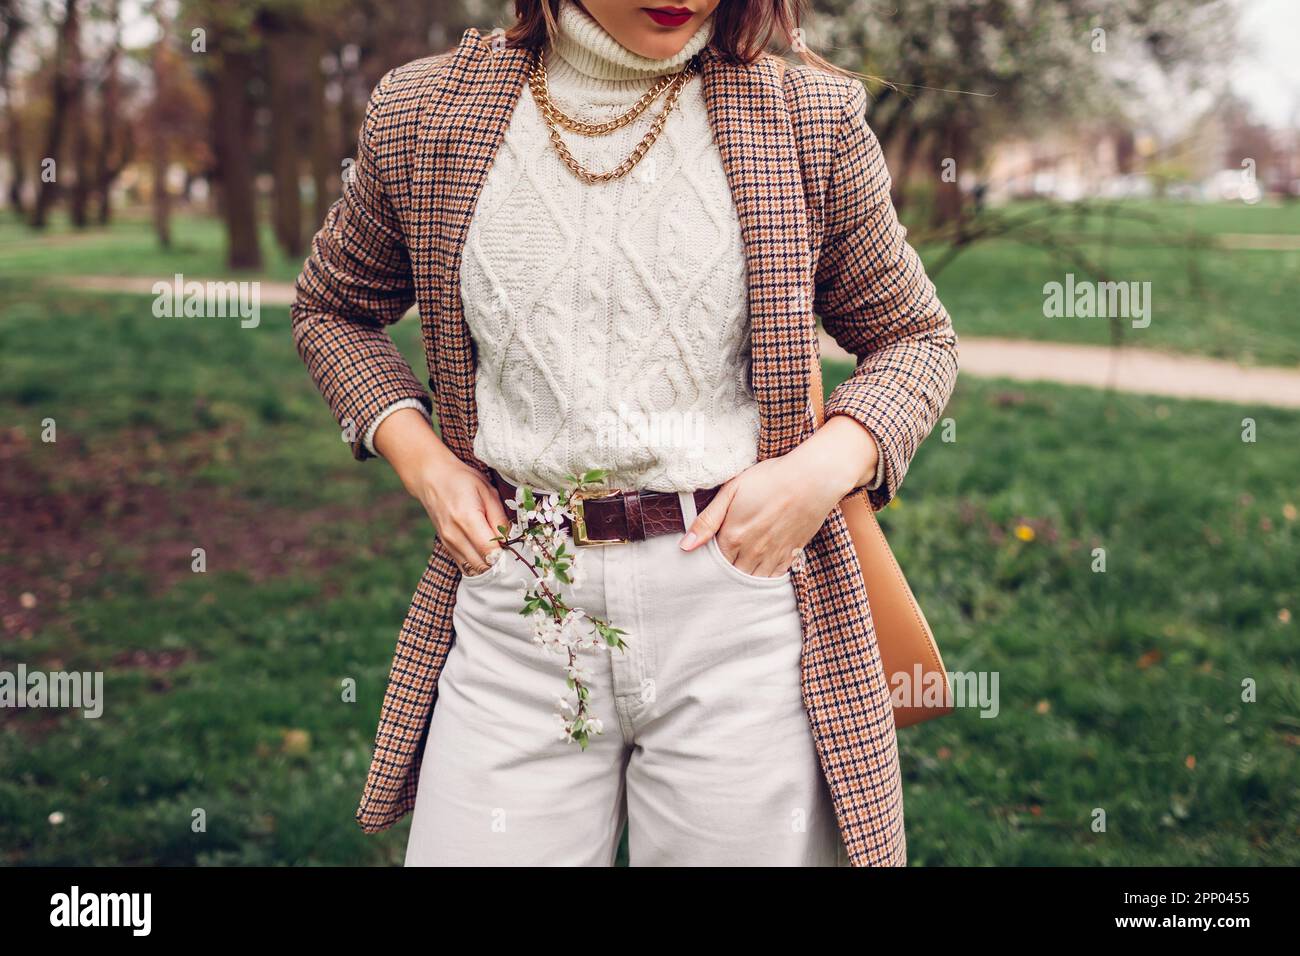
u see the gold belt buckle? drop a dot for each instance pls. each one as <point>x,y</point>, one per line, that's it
<point>576,504</point>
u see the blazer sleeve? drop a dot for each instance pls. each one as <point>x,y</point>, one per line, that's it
<point>875,300</point>
<point>356,282</point>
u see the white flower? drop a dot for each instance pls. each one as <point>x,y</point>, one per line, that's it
<point>540,533</point>
<point>565,732</point>
<point>578,673</point>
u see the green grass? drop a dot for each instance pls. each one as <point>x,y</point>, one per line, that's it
<point>1237,304</point>
<point>1111,683</point>
<point>1207,298</point>
<point>1227,303</point>
<point>223,689</point>
<point>129,247</point>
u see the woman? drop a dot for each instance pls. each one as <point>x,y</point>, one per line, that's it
<point>638,298</point>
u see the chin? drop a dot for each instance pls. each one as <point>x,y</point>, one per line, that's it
<point>659,46</point>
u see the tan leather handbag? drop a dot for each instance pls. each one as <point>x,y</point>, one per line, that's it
<point>907,647</point>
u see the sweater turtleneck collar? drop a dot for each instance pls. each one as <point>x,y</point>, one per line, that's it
<point>585,47</point>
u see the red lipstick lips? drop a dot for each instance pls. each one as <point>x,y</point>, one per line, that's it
<point>668,16</point>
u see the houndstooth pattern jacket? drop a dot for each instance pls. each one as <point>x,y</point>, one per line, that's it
<point>821,237</point>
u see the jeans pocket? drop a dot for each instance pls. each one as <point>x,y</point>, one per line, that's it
<point>483,577</point>
<point>732,570</point>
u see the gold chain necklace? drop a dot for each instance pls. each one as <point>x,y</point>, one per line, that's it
<point>555,119</point>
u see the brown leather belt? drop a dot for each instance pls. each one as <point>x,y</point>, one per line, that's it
<point>614,517</point>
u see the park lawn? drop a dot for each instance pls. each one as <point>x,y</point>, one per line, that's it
<point>1206,297</point>
<point>129,247</point>
<point>1237,304</point>
<point>1119,690</point>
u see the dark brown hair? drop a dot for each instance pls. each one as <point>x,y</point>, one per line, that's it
<point>742,29</point>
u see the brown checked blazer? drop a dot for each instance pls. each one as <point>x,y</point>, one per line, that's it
<point>812,193</point>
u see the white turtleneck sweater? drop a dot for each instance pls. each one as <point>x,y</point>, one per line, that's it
<point>610,320</point>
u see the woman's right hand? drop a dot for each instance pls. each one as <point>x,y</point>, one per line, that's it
<point>459,499</point>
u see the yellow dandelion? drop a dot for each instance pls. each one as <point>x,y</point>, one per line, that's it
<point>1024,532</point>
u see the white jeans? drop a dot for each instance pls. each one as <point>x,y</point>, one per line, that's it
<point>706,751</point>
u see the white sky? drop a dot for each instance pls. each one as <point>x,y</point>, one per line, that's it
<point>1268,73</point>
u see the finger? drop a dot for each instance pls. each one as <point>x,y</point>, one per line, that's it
<point>734,556</point>
<point>748,564</point>
<point>462,552</point>
<point>480,536</point>
<point>777,561</point>
<point>708,521</point>
<point>772,566</point>
<point>493,508</point>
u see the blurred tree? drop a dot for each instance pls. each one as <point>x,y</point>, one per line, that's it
<point>65,117</point>
<point>231,65</point>
<point>322,160</point>
<point>282,27</point>
<point>163,65</point>
<point>13,23</point>
<point>176,126</point>
<point>959,75</point>
<point>115,133</point>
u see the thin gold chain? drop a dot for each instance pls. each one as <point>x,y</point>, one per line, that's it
<point>537,79</point>
<point>555,119</point>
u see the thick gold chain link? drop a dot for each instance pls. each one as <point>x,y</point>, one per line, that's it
<point>555,119</point>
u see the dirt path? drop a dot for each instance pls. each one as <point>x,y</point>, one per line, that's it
<point>1127,370</point>
<point>1258,241</point>
<point>1143,371</point>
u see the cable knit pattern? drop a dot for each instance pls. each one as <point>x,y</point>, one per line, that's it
<point>610,320</point>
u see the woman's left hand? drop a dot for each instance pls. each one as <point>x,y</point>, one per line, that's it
<point>764,515</point>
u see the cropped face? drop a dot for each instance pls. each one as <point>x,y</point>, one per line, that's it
<point>655,31</point>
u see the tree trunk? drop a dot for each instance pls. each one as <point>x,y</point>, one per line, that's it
<point>113,148</point>
<point>233,121</point>
<point>282,43</point>
<point>953,143</point>
<point>65,94</point>
<point>13,25</point>
<point>16,161</point>
<point>159,135</point>
<point>322,159</point>
<point>79,156</point>
<point>909,145</point>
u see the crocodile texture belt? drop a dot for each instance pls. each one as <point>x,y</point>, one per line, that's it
<point>615,517</point>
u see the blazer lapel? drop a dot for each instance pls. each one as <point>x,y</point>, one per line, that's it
<point>751,125</point>
<point>458,141</point>
<point>748,115</point>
